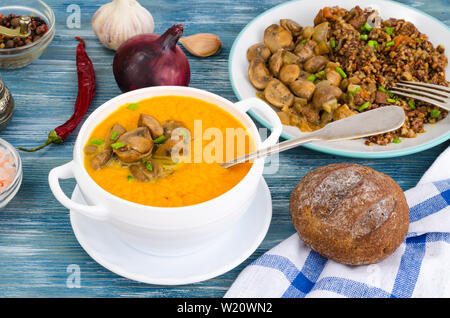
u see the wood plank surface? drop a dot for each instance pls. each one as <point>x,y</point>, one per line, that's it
<point>36,240</point>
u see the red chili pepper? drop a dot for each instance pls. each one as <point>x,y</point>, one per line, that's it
<point>86,92</point>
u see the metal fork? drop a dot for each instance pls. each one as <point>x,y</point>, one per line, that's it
<point>430,93</point>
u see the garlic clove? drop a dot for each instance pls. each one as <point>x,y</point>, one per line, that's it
<point>119,20</point>
<point>202,44</point>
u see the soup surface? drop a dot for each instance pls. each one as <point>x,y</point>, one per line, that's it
<point>154,177</point>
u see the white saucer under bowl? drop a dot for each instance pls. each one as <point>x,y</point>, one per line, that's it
<point>100,241</point>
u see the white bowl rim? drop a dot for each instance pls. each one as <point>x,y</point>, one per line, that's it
<point>324,149</point>
<point>78,153</point>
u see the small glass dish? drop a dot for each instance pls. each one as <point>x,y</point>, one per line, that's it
<point>6,149</point>
<point>22,56</point>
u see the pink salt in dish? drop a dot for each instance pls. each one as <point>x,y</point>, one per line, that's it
<point>11,174</point>
<point>8,169</point>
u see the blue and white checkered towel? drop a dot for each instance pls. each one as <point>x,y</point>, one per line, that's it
<point>420,267</point>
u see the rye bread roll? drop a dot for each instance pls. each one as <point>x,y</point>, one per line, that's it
<point>350,213</point>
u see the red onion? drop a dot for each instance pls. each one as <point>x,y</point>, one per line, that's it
<point>151,60</point>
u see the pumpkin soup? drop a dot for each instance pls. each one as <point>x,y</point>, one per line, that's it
<point>166,151</point>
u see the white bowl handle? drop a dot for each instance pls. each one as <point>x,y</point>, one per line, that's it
<point>269,113</point>
<point>66,172</point>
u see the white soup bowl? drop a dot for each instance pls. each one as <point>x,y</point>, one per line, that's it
<point>160,230</point>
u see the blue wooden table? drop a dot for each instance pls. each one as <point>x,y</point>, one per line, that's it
<point>37,245</point>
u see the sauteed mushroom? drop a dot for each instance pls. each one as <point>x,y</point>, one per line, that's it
<point>305,51</point>
<point>304,74</point>
<point>320,32</point>
<point>170,125</point>
<point>289,73</point>
<point>258,50</point>
<point>299,78</point>
<point>138,172</point>
<point>147,170</point>
<point>333,77</point>
<point>290,58</point>
<point>291,26</point>
<point>137,144</point>
<point>258,73</point>
<point>142,150</point>
<point>155,127</point>
<point>315,64</point>
<point>278,94</point>
<point>170,150</point>
<point>275,62</point>
<point>114,134</point>
<point>321,48</point>
<point>325,93</point>
<point>307,33</point>
<point>277,37</point>
<point>303,88</point>
<point>101,159</point>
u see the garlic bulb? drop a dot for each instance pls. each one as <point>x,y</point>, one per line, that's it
<point>119,20</point>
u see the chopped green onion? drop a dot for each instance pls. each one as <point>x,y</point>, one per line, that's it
<point>384,90</point>
<point>364,106</point>
<point>114,135</point>
<point>392,43</point>
<point>411,104</point>
<point>333,43</point>
<point>117,145</point>
<point>130,178</point>
<point>321,74</point>
<point>311,78</point>
<point>372,43</point>
<point>302,42</point>
<point>396,141</point>
<point>96,141</point>
<point>147,164</point>
<point>435,113</point>
<point>341,72</point>
<point>389,30</point>
<point>391,100</point>
<point>160,139</point>
<point>364,37</point>
<point>366,28</point>
<point>133,106</point>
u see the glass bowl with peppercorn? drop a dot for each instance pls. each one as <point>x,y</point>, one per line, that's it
<point>26,29</point>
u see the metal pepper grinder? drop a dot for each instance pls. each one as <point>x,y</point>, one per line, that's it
<point>6,105</point>
<point>22,31</point>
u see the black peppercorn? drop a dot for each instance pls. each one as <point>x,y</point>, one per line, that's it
<point>9,44</point>
<point>15,22</point>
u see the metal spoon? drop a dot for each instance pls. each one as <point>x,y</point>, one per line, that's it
<point>368,123</point>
